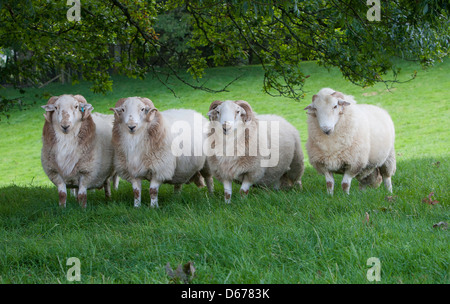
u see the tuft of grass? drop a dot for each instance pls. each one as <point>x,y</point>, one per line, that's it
<point>297,236</point>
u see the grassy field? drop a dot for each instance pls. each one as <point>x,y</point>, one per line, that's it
<point>269,237</point>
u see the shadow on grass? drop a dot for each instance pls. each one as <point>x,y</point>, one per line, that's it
<point>414,178</point>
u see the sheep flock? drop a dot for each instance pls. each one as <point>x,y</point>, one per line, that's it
<point>83,150</point>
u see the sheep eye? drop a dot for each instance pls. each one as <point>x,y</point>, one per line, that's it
<point>123,110</point>
<point>335,107</point>
<point>142,110</point>
<point>76,107</point>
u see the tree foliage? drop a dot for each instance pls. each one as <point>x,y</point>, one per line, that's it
<point>167,38</point>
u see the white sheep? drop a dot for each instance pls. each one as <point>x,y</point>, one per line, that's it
<point>356,140</point>
<point>77,150</point>
<point>238,148</point>
<point>147,146</point>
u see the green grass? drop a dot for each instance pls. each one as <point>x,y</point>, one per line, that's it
<point>269,237</point>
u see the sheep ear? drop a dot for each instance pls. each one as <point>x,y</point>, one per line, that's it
<point>49,108</point>
<point>314,98</point>
<point>247,108</point>
<point>116,110</point>
<point>343,103</point>
<point>151,113</point>
<point>85,109</point>
<point>309,107</point>
<point>338,95</point>
<point>212,115</point>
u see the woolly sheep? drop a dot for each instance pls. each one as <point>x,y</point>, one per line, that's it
<point>77,150</point>
<point>249,161</point>
<point>356,140</point>
<point>146,143</point>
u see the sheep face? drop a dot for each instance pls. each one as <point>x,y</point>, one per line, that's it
<point>66,112</point>
<point>230,114</point>
<point>134,113</point>
<point>327,109</point>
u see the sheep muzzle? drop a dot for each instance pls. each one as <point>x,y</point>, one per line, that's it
<point>132,128</point>
<point>226,127</point>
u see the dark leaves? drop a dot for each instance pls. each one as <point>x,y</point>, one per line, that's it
<point>183,274</point>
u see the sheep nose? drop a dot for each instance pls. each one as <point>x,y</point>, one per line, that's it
<point>132,128</point>
<point>327,131</point>
<point>65,127</point>
<point>226,127</point>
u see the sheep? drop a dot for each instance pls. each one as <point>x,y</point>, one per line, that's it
<point>146,146</point>
<point>249,162</point>
<point>356,140</point>
<point>77,150</point>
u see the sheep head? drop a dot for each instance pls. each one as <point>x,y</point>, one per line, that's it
<point>327,106</point>
<point>134,112</point>
<point>66,112</point>
<point>229,114</point>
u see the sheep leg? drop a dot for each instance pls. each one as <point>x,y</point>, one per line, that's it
<point>198,180</point>
<point>177,188</point>
<point>388,184</point>
<point>116,180</point>
<point>245,187</point>
<point>137,186</point>
<point>227,187</point>
<point>210,184</point>
<point>330,182</point>
<point>154,187</point>
<point>387,170</point>
<point>206,173</point>
<point>74,192</point>
<point>346,182</point>
<point>277,185</point>
<point>82,195</point>
<point>107,187</point>
<point>62,193</point>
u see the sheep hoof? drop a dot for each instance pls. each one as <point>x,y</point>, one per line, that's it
<point>298,185</point>
<point>62,199</point>
<point>243,192</point>
<point>330,187</point>
<point>154,204</point>
<point>227,197</point>
<point>137,204</point>
<point>82,200</point>
<point>346,188</point>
